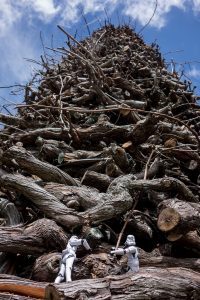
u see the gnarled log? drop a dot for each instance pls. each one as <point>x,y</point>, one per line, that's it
<point>149,283</point>
<point>35,238</point>
<point>32,165</point>
<point>46,202</point>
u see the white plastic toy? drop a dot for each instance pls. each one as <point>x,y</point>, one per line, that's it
<point>131,251</point>
<point>68,257</point>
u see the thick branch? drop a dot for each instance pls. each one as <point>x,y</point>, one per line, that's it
<point>44,170</point>
<point>46,202</point>
<point>165,283</point>
<point>40,236</point>
<point>166,184</point>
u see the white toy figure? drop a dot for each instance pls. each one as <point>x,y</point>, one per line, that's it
<point>68,257</point>
<point>131,250</point>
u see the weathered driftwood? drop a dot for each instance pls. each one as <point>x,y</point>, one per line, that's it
<point>35,238</point>
<point>166,283</point>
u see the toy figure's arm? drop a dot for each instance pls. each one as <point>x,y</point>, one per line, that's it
<point>78,242</point>
<point>85,244</point>
<point>119,251</point>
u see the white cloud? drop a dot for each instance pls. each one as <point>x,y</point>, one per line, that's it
<point>194,72</point>
<point>45,9</point>
<point>16,47</point>
<point>72,9</point>
<point>16,42</point>
<point>196,6</point>
<point>143,10</point>
<point>12,11</point>
<point>9,14</point>
<point>69,12</point>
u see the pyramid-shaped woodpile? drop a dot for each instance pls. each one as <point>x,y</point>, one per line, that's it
<point>108,145</point>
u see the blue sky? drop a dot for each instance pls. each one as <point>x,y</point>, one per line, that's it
<point>175,27</point>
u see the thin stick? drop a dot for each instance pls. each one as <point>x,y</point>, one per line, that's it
<point>86,23</point>
<point>74,40</point>
<point>149,21</point>
<point>61,103</point>
<point>147,164</point>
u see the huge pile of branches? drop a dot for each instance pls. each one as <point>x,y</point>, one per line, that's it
<point>107,145</point>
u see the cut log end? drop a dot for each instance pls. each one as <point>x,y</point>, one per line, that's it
<point>168,219</point>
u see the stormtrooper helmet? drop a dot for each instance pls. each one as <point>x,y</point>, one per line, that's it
<point>130,240</point>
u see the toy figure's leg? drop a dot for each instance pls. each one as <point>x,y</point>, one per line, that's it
<point>68,270</point>
<point>61,274</point>
<point>133,265</point>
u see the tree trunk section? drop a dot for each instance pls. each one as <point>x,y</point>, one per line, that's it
<point>149,283</point>
<point>176,218</point>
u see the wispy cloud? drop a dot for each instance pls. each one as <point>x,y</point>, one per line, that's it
<point>194,73</point>
<point>144,10</point>
<point>12,11</point>
<point>9,14</point>
<point>196,6</point>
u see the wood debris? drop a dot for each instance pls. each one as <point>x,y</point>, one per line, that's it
<point>108,140</point>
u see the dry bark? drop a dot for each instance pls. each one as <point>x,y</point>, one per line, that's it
<point>166,283</point>
<point>32,165</point>
<point>36,238</point>
<point>102,264</point>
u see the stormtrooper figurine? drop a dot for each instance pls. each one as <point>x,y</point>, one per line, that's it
<point>132,252</point>
<point>68,257</point>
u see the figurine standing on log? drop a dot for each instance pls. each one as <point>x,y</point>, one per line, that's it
<point>68,257</point>
<point>130,249</point>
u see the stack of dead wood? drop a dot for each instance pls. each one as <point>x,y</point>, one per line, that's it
<point>107,145</point>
